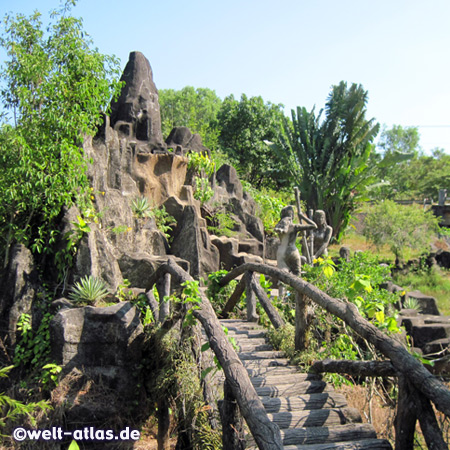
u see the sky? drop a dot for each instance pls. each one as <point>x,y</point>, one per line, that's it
<point>287,51</point>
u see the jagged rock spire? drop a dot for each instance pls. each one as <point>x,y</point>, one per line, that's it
<point>138,103</point>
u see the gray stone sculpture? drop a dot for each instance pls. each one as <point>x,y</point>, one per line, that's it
<point>288,256</point>
<point>321,235</point>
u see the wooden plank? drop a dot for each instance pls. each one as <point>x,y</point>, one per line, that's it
<point>307,401</point>
<point>316,417</point>
<point>321,435</point>
<point>366,444</point>
<point>272,354</point>
<point>289,390</point>
<point>355,368</point>
<point>286,378</point>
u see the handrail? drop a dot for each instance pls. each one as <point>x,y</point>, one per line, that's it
<point>401,359</point>
<point>266,434</point>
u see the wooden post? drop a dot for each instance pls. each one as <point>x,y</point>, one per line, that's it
<point>163,287</point>
<point>163,425</point>
<point>232,422</point>
<point>270,310</point>
<point>301,321</point>
<point>405,420</point>
<point>234,298</point>
<point>428,423</point>
<point>304,238</point>
<point>250,296</point>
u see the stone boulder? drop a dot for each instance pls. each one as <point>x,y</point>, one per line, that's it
<point>192,243</point>
<point>19,287</point>
<point>97,257</point>
<point>428,304</point>
<point>181,140</point>
<point>137,268</point>
<point>104,343</point>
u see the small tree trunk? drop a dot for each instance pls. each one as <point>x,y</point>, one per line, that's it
<point>264,300</point>
<point>428,423</point>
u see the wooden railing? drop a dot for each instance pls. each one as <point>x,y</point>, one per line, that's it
<point>417,386</point>
<point>266,434</point>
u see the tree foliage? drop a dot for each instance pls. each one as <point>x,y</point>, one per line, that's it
<point>244,126</point>
<point>53,88</point>
<point>193,108</point>
<point>400,227</point>
<point>414,175</point>
<point>329,157</point>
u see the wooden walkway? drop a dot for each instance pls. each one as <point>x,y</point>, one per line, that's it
<point>310,414</point>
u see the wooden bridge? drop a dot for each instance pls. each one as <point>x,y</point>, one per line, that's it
<point>286,409</point>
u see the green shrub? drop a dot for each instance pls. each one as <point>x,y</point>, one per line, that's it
<point>401,227</point>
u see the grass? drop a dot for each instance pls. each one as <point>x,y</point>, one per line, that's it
<point>357,242</point>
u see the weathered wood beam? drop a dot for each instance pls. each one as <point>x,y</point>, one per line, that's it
<point>234,298</point>
<point>428,423</point>
<point>401,359</point>
<point>355,368</point>
<point>270,310</point>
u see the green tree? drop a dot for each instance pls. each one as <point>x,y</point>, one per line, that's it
<point>329,157</point>
<point>193,108</point>
<point>53,88</point>
<point>399,226</point>
<point>420,177</point>
<point>244,126</point>
<point>395,148</point>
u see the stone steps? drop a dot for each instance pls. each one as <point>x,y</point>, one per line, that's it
<point>309,413</point>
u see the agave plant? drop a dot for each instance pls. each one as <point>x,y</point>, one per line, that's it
<point>140,207</point>
<point>88,290</point>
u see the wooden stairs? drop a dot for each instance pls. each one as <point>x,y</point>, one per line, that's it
<point>310,414</point>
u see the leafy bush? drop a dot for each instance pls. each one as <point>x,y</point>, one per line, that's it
<point>12,410</point>
<point>54,88</point>
<point>270,205</point>
<point>219,295</point>
<point>220,222</point>
<point>164,221</point>
<point>203,191</point>
<point>88,290</point>
<point>400,226</point>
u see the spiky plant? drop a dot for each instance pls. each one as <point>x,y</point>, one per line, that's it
<point>88,290</point>
<point>140,207</point>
